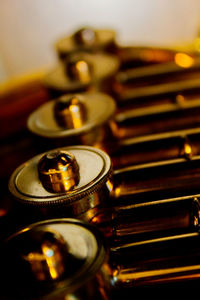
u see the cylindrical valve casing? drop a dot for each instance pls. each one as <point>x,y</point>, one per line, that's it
<point>92,192</point>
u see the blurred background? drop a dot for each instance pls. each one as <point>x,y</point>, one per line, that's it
<point>29,28</point>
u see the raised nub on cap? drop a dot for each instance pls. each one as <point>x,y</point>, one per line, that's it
<point>85,36</point>
<point>58,171</point>
<point>70,111</point>
<point>78,68</point>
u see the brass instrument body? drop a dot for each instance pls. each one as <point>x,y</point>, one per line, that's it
<point>168,262</point>
<point>166,72</point>
<point>135,186</point>
<point>123,224</point>
<point>174,178</point>
<point>156,147</point>
<point>163,118</point>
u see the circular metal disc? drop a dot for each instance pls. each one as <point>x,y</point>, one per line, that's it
<point>94,167</point>
<point>68,44</point>
<point>99,107</point>
<point>103,66</point>
<point>74,253</point>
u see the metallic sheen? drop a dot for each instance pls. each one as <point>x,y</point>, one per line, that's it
<point>56,259</point>
<point>58,171</point>
<point>70,111</point>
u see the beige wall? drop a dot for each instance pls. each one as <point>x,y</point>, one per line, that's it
<point>28,28</point>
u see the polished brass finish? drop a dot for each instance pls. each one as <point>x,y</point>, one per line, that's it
<point>171,261</point>
<point>135,57</point>
<point>80,72</point>
<point>70,111</point>
<point>184,66</point>
<point>157,94</point>
<point>58,171</point>
<point>86,39</point>
<point>54,259</point>
<point>156,147</point>
<point>82,123</point>
<point>47,262</point>
<point>149,209</point>
<point>79,69</point>
<point>156,119</point>
<point>159,180</point>
<point>148,219</point>
<point>59,191</point>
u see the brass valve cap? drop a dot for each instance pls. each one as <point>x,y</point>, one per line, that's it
<point>85,36</point>
<point>70,111</point>
<point>58,171</point>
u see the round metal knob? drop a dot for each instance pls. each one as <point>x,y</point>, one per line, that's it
<point>81,71</point>
<point>51,260</point>
<point>64,186</point>
<point>87,39</point>
<point>73,119</point>
<point>70,111</point>
<point>85,36</point>
<point>58,171</point>
<point>47,260</point>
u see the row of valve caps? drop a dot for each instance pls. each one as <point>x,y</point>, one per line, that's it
<point>83,243</point>
<point>97,231</point>
<point>103,101</point>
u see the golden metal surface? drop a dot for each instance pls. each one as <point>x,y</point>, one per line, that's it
<point>81,72</point>
<point>70,111</point>
<point>87,39</point>
<point>56,193</point>
<point>156,147</point>
<point>154,197</point>
<point>156,119</point>
<point>82,124</point>
<point>53,259</point>
<point>165,260</point>
<point>79,69</point>
<point>58,171</point>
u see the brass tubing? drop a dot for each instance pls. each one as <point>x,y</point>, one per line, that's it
<point>156,119</point>
<point>156,147</point>
<point>157,262</point>
<point>156,218</point>
<point>158,92</point>
<point>54,259</point>
<point>165,179</point>
<point>163,72</point>
<point>134,57</point>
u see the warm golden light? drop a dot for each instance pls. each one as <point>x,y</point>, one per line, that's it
<point>50,260</point>
<point>180,99</point>
<point>77,113</point>
<point>58,171</point>
<point>70,112</point>
<point>109,185</point>
<point>183,60</point>
<point>83,71</point>
<point>197,44</point>
<point>128,275</point>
